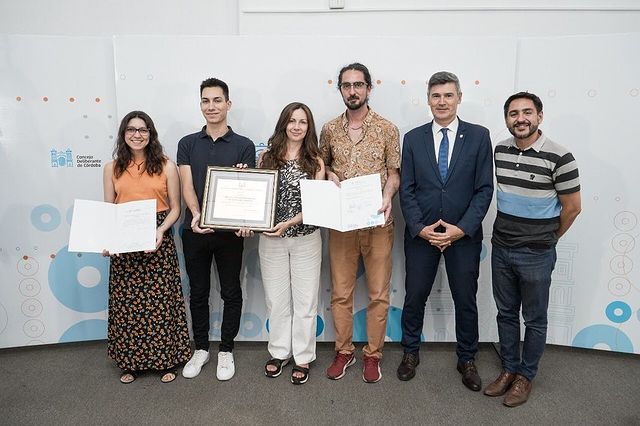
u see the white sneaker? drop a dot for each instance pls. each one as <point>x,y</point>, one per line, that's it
<point>192,368</point>
<point>226,366</point>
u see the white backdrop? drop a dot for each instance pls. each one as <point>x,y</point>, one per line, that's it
<point>53,151</point>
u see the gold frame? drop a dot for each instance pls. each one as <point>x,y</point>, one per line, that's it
<point>215,173</point>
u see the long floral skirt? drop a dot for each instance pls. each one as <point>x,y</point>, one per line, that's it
<point>147,319</point>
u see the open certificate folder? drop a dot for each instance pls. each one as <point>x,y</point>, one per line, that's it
<point>118,228</point>
<point>353,205</point>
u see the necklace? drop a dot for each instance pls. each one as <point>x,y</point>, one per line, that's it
<point>138,165</point>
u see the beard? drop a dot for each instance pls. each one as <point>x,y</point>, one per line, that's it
<point>532,129</point>
<point>357,105</point>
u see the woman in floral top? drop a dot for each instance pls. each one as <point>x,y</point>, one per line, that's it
<point>291,253</point>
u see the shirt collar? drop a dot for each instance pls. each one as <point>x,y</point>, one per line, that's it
<point>366,122</point>
<point>453,126</point>
<point>226,137</point>
<point>536,146</point>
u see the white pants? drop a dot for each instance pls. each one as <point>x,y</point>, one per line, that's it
<point>291,277</point>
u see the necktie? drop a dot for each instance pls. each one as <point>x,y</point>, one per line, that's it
<point>443,154</point>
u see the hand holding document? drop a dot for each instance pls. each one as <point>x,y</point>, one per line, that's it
<point>117,228</point>
<point>353,205</point>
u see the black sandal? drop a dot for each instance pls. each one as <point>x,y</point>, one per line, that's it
<point>127,373</point>
<point>299,380</point>
<point>275,362</point>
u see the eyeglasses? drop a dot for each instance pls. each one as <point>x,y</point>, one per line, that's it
<point>357,85</point>
<point>132,131</point>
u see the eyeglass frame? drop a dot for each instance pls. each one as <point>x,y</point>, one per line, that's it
<point>144,131</point>
<point>357,85</point>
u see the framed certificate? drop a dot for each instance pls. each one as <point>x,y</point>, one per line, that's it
<point>239,198</point>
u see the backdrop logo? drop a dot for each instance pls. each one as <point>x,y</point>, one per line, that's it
<point>61,158</point>
<point>67,159</point>
<point>88,161</point>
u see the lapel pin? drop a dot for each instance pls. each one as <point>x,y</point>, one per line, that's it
<point>461,136</point>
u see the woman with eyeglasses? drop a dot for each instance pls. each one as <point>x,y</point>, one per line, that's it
<point>147,328</point>
<point>291,253</point>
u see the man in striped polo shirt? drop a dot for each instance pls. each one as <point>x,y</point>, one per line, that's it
<point>538,194</point>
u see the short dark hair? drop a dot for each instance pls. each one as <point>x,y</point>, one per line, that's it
<point>523,95</point>
<point>214,82</point>
<point>443,77</point>
<point>356,66</point>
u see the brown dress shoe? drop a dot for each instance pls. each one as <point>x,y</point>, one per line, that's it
<point>518,393</point>
<point>470,376</point>
<point>407,368</point>
<point>500,385</point>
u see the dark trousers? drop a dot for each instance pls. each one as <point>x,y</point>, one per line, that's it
<point>462,261</point>
<point>199,250</point>
<point>521,277</point>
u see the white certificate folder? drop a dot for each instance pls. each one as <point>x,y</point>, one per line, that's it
<point>353,205</point>
<point>117,228</point>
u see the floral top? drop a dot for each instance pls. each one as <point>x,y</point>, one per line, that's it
<point>289,201</point>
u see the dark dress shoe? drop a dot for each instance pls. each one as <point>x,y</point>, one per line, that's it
<point>518,393</point>
<point>500,385</point>
<point>470,376</point>
<point>407,368</point>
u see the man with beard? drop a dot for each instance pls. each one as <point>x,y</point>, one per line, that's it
<point>445,191</point>
<point>360,142</point>
<point>538,196</point>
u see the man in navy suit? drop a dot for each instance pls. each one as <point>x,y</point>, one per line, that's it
<point>446,186</point>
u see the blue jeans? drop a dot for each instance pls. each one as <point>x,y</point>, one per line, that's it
<point>521,278</point>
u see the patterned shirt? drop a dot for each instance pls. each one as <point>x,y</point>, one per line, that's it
<point>377,150</point>
<point>529,182</point>
<point>289,201</point>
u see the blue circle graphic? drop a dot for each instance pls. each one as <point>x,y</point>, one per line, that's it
<point>250,325</point>
<point>85,330</point>
<point>63,280</point>
<point>38,214</point>
<point>483,252</point>
<point>70,215</point>
<point>621,317</point>
<point>394,329</point>
<point>319,325</point>
<point>597,334</point>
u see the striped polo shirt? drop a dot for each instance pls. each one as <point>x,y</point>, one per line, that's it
<point>528,184</point>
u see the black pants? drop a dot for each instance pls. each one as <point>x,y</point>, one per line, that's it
<point>199,250</point>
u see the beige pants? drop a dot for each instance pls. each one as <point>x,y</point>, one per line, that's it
<point>345,248</point>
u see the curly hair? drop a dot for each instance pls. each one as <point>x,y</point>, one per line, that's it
<point>153,153</point>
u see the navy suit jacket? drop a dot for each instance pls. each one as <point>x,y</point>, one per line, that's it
<point>464,197</point>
